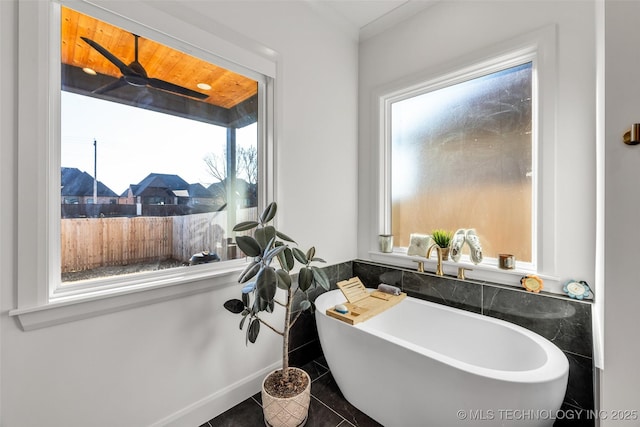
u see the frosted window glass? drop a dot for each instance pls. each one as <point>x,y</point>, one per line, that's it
<point>462,158</point>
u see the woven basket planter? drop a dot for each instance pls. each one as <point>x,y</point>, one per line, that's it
<point>286,412</point>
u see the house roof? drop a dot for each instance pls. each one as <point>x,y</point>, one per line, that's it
<point>132,187</point>
<point>156,184</point>
<point>75,182</point>
<point>155,181</point>
<point>198,190</point>
<point>181,193</point>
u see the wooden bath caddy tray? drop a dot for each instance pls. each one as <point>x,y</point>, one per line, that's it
<point>361,304</point>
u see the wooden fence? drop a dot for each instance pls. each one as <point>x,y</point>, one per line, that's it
<point>88,243</point>
<point>204,232</point>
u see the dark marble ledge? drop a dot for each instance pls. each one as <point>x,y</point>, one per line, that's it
<point>588,301</point>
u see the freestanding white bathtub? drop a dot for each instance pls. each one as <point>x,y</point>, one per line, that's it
<point>425,364</point>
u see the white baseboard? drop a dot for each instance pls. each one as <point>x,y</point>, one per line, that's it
<point>203,410</point>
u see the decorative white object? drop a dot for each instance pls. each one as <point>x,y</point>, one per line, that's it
<point>418,244</point>
<point>474,246</point>
<point>457,242</point>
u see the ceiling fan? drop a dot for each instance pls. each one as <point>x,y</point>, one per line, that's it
<point>134,74</point>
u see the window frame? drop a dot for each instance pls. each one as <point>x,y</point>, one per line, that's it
<point>537,47</point>
<point>41,300</point>
<point>448,80</point>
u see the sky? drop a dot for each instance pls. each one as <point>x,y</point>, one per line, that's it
<point>134,142</point>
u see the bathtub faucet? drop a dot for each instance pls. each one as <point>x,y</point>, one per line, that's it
<point>439,271</point>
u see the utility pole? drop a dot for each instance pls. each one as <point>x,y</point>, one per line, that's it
<point>95,171</point>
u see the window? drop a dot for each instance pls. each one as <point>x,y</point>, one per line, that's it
<point>99,121</point>
<point>471,146</point>
<point>160,126</point>
<point>462,158</point>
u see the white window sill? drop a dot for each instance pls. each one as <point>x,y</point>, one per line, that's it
<point>74,305</point>
<point>486,271</point>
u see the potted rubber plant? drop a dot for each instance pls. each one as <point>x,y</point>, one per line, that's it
<point>286,392</point>
<point>442,238</point>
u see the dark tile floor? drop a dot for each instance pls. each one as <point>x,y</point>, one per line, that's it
<point>328,407</point>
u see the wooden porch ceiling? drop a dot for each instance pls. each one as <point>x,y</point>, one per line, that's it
<point>231,101</point>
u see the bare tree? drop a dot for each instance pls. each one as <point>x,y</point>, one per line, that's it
<point>247,168</point>
<point>217,165</point>
<point>248,163</point>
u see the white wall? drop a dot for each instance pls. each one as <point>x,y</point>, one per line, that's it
<point>7,156</point>
<point>448,31</point>
<point>140,366</point>
<point>620,380</point>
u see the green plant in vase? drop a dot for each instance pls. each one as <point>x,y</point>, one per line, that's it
<point>271,268</point>
<point>442,238</point>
